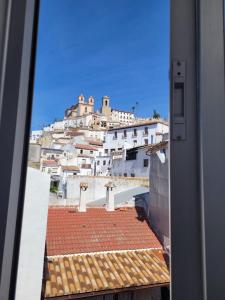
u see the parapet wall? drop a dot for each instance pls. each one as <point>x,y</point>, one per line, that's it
<point>96,185</point>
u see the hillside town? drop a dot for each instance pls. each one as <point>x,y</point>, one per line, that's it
<point>107,224</point>
<point>106,142</point>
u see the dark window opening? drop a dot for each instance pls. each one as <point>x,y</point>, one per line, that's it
<point>131,154</point>
<point>145,162</point>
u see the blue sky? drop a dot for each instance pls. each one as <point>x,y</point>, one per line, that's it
<point>118,48</point>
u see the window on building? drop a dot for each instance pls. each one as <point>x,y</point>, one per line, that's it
<point>152,139</point>
<point>131,154</point>
<point>146,162</point>
<point>81,151</point>
<point>106,151</point>
<point>98,162</point>
<point>132,175</point>
<point>125,133</point>
<point>146,141</point>
<point>91,151</point>
<point>113,150</point>
<point>146,130</point>
<point>115,135</point>
<point>135,132</point>
<point>135,143</point>
<point>85,109</point>
<point>125,174</point>
<point>104,162</point>
<point>119,149</point>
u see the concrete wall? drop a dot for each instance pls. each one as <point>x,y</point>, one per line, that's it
<point>96,185</point>
<point>32,246</point>
<point>159,195</point>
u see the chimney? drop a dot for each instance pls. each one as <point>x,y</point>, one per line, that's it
<point>110,205</point>
<point>83,191</point>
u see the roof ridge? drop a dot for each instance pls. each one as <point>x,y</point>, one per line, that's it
<point>105,252</point>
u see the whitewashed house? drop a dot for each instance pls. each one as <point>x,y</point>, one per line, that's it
<point>103,165</point>
<point>132,162</point>
<point>126,137</point>
<point>123,117</point>
<point>35,136</point>
<point>50,167</point>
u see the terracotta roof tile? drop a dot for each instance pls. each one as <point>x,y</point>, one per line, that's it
<point>85,147</point>
<point>70,231</point>
<point>96,272</point>
<point>70,168</point>
<point>50,163</point>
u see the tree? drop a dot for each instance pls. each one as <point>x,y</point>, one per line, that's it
<point>155,115</point>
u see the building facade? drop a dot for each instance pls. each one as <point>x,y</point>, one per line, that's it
<point>132,162</point>
<point>127,137</point>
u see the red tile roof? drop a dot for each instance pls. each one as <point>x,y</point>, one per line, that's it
<point>86,147</point>
<point>50,163</point>
<point>71,232</point>
<point>70,168</point>
<point>96,143</point>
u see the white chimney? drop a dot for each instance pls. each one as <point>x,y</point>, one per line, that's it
<point>110,205</point>
<point>83,191</point>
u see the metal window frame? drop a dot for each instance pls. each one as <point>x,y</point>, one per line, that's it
<point>196,211</point>
<point>16,73</point>
<point>197,166</point>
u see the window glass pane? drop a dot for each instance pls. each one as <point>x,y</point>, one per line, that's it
<point>99,149</point>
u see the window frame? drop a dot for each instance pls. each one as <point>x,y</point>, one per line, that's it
<point>17,76</point>
<point>201,22</point>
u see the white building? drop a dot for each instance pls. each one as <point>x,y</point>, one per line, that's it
<point>50,167</point>
<point>103,165</point>
<point>127,137</point>
<point>132,162</point>
<point>35,136</point>
<point>123,117</point>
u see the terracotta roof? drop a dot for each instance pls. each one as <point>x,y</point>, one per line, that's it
<point>122,229</point>
<point>49,163</point>
<point>70,168</point>
<point>149,122</point>
<point>84,155</point>
<point>156,147</point>
<point>93,273</point>
<point>74,133</point>
<point>96,143</point>
<point>85,147</point>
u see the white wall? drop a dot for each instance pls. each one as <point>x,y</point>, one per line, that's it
<point>122,166</point>
<point>120,142</point>
<point>96,185</point>
<point>32,246</point>
<point>35,136</point>
<point>101,168</point>
<point>159,195</point>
